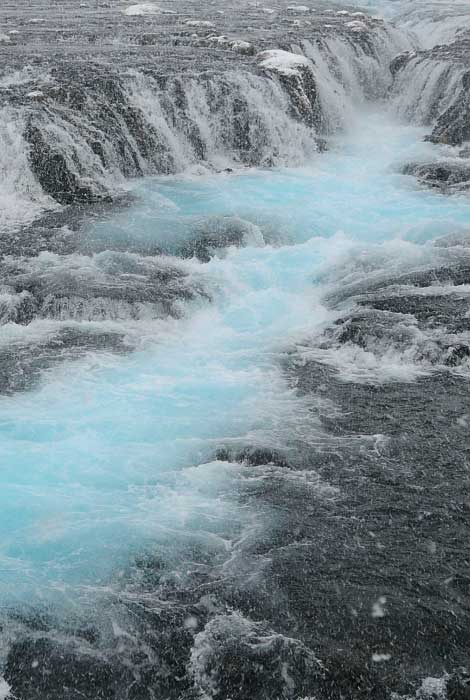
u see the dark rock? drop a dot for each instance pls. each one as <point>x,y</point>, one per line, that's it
<point>218,233</point>
<point>46,670</point>
<point>401,61</point>
<point>234,657</point>
<point>22,364</point>
<point>300,85</point>
<point>458,685</point>
<point>453,126</point>
<point>111,285</point>
<point>457,354</point>
<point>349,677</point>
<point>253,456</point>
<point>454,239</point>
<point>54,173</point>
<point>447,176</point>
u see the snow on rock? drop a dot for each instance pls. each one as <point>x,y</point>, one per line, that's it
<point>200,23</point>
<point>430,689</point>
<point>283,62</point>
<point>433,688</point>
<point>297,9</point>
<point>379,658</point>
<point>221,40</point>
<point>145,8</point>
<point>243,47</point>
<point>357,26</point>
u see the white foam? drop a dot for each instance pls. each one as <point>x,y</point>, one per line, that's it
<point>21,197</point>
<point>5,689</point>
<point>115,435</point>
<point>274,134</point>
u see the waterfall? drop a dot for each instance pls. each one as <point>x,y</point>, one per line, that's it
<point>77,133</point>
<point>425,87</point>
<point>234,350</point>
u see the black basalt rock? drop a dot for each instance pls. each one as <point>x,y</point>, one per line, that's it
<point>449,176</point>
<point>457,354</point>
<point>44,670</point>
<point>453,126</point>
<point>236,658</point>
<point>53,172</point>
<point>458,685</point>
<point>302,90</point>
<point>400,61</point>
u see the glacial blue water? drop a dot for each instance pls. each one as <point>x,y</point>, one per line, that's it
<point>113,456</point>
<point>355,188</point>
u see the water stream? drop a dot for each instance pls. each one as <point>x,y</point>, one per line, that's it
<point>113,455</point>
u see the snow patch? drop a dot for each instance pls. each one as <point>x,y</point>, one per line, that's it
<point>199,23</point>
<point>238,45</point>
<point>145,8</point>
<point>379,658</point>
<point>357,25</point>
<point>241,46</point>
<point>283,61</point>
<point>298,8</point>
<point>433,688</point>
<point>378,609</point>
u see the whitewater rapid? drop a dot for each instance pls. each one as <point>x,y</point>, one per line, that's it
<point>112,456</point>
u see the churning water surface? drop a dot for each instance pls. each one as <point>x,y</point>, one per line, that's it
<point>114,455</point>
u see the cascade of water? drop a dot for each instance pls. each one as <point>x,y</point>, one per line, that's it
<point>261,294</point>
<point>426,87</point>
<point>87,129</point>
<point>219,396</point>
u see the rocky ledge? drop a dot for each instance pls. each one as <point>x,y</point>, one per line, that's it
<point>100,92</point>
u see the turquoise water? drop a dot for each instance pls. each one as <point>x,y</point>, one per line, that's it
<point>355,188</point>
<point>112,456</point>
